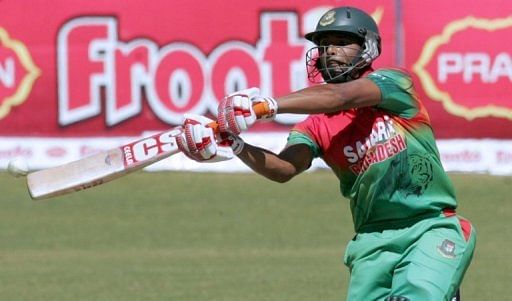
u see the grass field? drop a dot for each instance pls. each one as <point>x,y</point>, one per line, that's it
<point>195,236</point>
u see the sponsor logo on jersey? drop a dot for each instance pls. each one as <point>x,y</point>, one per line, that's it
<point>383,143</point>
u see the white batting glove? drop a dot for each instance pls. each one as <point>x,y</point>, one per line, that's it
<point>235,113</point>
<point>197,141</point>
<point>234,142</point>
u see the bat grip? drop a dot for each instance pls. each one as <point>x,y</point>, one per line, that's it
<point>260,109</point>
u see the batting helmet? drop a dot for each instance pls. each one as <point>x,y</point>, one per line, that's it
<point>347,21</point>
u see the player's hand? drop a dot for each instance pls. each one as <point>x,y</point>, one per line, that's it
<point>234,142</point>
<point>235,112</point>
<point>197,141</point>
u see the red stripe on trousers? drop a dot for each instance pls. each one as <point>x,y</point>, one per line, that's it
<point>465,225</point>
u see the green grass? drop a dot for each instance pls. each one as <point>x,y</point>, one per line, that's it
<point>195,236</point>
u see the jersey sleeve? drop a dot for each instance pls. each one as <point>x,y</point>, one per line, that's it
<point>397,92</point>
<point>304,133</point>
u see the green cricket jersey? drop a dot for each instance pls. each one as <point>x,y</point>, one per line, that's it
<point>385,156</point>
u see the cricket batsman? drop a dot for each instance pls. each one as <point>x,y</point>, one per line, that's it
<point>373,131</point>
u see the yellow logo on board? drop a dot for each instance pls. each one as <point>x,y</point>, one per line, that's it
<point>17,55</point>
<point>445,97</point>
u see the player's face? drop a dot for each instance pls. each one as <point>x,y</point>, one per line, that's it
<point>338,51</point>
<point>336,58</point>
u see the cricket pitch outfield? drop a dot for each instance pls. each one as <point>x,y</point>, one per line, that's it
<point>184,236</point>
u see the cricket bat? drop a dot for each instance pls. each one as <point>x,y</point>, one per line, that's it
<point>109,165</point>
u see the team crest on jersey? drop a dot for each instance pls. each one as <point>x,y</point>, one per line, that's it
<point>447,249</point>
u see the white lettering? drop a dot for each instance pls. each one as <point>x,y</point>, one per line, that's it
<point>128,156</point>
<point>145,149</point>
<point>472,64</point>
<point>502,67</point>
<point>168,141</point>
<point>476,63</point>
<point>361,148</point>
<point>350,154</point>
<point>382,131</point>
<point>448,63</point>
<point>80,98</point>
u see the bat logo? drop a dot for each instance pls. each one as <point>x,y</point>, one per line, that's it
<point>150,147</point>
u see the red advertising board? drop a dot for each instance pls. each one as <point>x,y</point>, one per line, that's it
<point>462,62</point>
<point>72,72</point>
<point>117,68</point>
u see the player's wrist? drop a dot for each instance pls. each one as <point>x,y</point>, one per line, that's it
<point>271,108</point>
<point>237,144</point>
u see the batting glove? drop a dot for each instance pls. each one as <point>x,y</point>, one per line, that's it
<point>197,141</point>
<point>235,113</point>
<point>234,142</point>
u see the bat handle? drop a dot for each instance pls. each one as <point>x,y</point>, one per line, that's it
<point>260,109</point>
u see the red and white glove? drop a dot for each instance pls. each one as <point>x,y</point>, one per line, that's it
<point>235,112</point>
<point>197,141</point>
<point>234,142</point>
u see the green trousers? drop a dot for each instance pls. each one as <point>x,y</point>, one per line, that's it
<point>423,262</point>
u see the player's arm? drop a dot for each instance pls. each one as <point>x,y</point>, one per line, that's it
<point>197,142</point>
<point>329,98</point>
<point>281,167</point>
<point>235,113</point>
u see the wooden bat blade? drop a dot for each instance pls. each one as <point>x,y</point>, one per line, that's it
<point>76,175</point>
<point>112,164</point>
<point>102,167</point>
